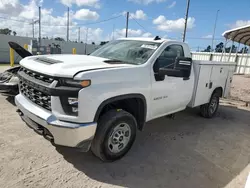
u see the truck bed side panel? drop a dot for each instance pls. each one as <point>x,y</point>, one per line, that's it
<point>209,76</point>
<point>201,93</point>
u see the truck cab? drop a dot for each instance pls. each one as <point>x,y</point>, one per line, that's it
<point>99,101</point>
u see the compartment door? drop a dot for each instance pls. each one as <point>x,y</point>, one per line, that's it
<point>202,93</point>
<point>228,83</point>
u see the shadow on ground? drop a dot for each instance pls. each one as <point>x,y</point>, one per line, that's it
<point>189,151</point>
<point>11,100</point>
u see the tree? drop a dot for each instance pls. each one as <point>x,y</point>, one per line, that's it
<point>245,51</point>
<point>59,39</point>
<point>234,49</point>
<point>219,47</point>
<point>208,49</point>
<point>14,33</point>
<point>93,43</point>
<point>5,31</point>
<point>103,42</point>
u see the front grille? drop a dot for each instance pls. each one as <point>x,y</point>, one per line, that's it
<point>37,76</point>
<point>37,96</point>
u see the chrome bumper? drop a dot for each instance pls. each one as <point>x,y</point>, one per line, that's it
<point>63,133</point>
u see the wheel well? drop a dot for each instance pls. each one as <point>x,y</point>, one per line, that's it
<point>134,105</point>
<point>218,90</point>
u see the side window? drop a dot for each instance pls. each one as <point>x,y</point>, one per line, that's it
<point>168,56</point>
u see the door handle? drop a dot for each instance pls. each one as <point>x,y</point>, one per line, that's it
<point>210,85</point>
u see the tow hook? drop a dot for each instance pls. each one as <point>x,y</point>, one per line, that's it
<point>19,112</point>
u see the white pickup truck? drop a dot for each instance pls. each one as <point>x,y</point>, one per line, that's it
<point>99,101</point>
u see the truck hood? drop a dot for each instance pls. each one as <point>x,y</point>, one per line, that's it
<point>66,65</point>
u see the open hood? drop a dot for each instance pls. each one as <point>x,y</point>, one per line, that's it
<point>19,50</point>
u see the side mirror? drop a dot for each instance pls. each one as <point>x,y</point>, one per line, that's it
<point>182,68</point>
<point>170,72</point>
<point>184,64</point>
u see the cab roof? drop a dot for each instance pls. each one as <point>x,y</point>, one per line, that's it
<point>146,39</point>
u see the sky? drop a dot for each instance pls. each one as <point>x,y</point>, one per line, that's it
<point>104,20</point>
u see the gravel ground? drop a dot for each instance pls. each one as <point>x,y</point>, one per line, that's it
<point>241,88</point>
<point>189,151</point>
<point>3,67</point>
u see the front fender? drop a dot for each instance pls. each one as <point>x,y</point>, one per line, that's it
<point>121,97</point>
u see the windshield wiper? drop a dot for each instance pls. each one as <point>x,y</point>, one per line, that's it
<point>113,61</point>
<point>116,61</point>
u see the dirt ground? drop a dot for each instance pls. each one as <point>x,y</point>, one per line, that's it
<point>240,89</point>
<point>189,152</point>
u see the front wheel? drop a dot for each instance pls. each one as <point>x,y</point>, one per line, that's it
<point>115,135</point>
<point>209,110</point>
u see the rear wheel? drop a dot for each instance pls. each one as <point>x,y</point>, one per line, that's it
<point>209,110</point>
<point>115,135</point>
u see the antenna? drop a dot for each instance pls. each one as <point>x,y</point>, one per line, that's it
<point>157,38</point>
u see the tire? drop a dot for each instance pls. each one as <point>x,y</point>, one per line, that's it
<point>209,110</point>
<point>111,124</point>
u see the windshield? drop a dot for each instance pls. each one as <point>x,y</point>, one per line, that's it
<point>127,51</point>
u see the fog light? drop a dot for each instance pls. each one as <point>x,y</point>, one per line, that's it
<point>73,103</point>
<point>75,109</point>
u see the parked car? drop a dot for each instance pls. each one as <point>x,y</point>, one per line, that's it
<point>99,101</point>
<point>9,79</point>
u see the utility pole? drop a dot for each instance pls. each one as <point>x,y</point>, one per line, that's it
<point>33,27</point>
<point>113,36</point>
<point>215,23</point>
<point>186,19</point>
<point>127,18</point>
<point>86,40</point>
<point>33,30</point>
<point>39,39</point>
<point>79,34</point>
<point>68,25</point>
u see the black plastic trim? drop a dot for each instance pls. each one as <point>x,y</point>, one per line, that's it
<point>117,98</point>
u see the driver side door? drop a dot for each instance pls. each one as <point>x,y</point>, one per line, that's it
<point>169,94</point>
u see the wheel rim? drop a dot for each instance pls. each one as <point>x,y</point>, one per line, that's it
<point>213,105</point>
<point>119,138</point>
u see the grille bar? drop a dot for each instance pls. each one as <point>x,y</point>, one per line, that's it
<point>38,97</point>
<point>37,76</point>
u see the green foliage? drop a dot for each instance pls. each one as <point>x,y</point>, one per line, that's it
<point>59,39</point>
<point>7,31</point>
<point>103,42</point>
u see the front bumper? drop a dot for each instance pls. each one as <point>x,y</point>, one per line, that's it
<point>9,88</point>
<point>62,133</point>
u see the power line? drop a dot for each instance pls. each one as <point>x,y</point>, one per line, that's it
<point>101,21</point>
<point>47,25</point>
<point>5,18</point>
<point>140,25</point>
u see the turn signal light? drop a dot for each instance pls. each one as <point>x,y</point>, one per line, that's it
<point>85,83</point>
